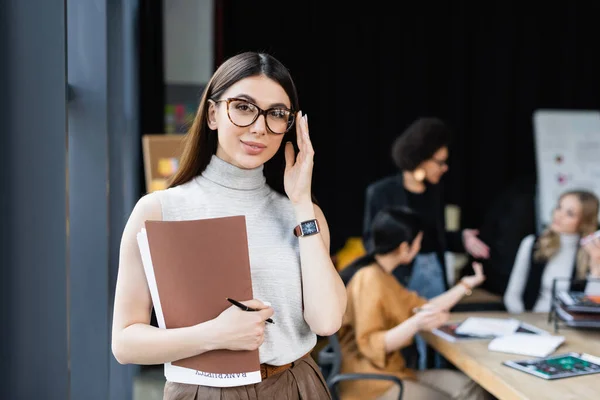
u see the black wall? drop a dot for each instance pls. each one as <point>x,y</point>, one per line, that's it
<point>364,74</point>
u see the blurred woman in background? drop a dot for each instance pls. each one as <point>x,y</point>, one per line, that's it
<point>421,155</point>
<point>382,317</point>
<point>556,253</point>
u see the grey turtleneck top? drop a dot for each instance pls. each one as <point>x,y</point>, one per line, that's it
<point>226,190</point>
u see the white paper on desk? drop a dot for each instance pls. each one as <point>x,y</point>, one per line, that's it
<point>480,326</point>
<point>526,344</point>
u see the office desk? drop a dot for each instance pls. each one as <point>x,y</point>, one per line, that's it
<point>485,367</point>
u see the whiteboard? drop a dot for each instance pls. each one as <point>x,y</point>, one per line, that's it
<point>567,146</point>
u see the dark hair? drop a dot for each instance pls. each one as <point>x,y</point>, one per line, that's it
<point>201,141</point>
<point>391,227</point>
<point>419,142</point>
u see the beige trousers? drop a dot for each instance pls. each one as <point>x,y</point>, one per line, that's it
<point>438,384</point>
<point>303,381</point>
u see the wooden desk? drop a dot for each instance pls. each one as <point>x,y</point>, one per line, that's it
<point>484,366</point>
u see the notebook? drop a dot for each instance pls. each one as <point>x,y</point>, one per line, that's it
<point>559,366</point>
<point>488,327</point>
<point>448,332</point>
<point>191,267</point>
<point>526,344</point>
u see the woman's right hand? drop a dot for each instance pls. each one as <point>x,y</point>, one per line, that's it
<point>475,246</point>
<point>592,247</point>
<point>430,317</point>
<point>243,330</point>
<point>477,279</point>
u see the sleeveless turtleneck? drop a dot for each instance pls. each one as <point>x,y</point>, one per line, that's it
<point>560,265</point>
<point>225,190</point>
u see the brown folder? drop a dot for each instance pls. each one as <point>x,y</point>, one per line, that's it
<point>197,264</point>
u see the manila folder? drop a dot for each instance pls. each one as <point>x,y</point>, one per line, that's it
<point>196,265</point>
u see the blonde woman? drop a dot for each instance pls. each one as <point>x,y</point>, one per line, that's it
<point>556,253</point>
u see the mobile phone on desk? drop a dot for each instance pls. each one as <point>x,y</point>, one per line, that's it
<point>585,240</point>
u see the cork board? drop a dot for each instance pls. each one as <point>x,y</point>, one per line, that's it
<point>161,155</point>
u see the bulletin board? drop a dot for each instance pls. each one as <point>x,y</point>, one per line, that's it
<point>161,155</point>
<point>567,144</point>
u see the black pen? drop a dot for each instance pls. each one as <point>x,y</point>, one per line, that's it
<point>245,308</point>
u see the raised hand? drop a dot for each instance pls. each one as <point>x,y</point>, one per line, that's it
<point>243,330</point>
<point>592,247</point>
<point>298,169</point>
<point>475,280</point>
<point>475,246</point>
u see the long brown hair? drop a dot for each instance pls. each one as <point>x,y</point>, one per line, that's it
<point>200,142</point>
<point>549,241</point>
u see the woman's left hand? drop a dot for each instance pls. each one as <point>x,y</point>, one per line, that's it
<point>475,280</point>
<point>475,246</point>
<point>298,175</point>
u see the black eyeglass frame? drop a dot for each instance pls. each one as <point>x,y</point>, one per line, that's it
<point>440,163</point>
<point>260,112</point>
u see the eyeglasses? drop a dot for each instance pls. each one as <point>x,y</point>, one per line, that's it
<point>440,163</point>
<point>243,113</point>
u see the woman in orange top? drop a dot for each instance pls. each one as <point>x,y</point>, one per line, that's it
<point>381,318</point>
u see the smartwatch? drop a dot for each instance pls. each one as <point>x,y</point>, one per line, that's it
<point>307,228</point>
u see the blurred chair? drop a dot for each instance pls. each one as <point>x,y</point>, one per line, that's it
<point>330,361</point>
<point>329,357</point>
<point>353,249</point>
<point>508,220</point>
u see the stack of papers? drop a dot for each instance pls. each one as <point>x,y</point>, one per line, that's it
<point>488,327</point>
<point>526,344</point>
<point>580,302</point>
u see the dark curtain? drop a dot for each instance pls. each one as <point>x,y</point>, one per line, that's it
<point>151,72</point>
<point>364,74</point>
<point>151,76</point>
